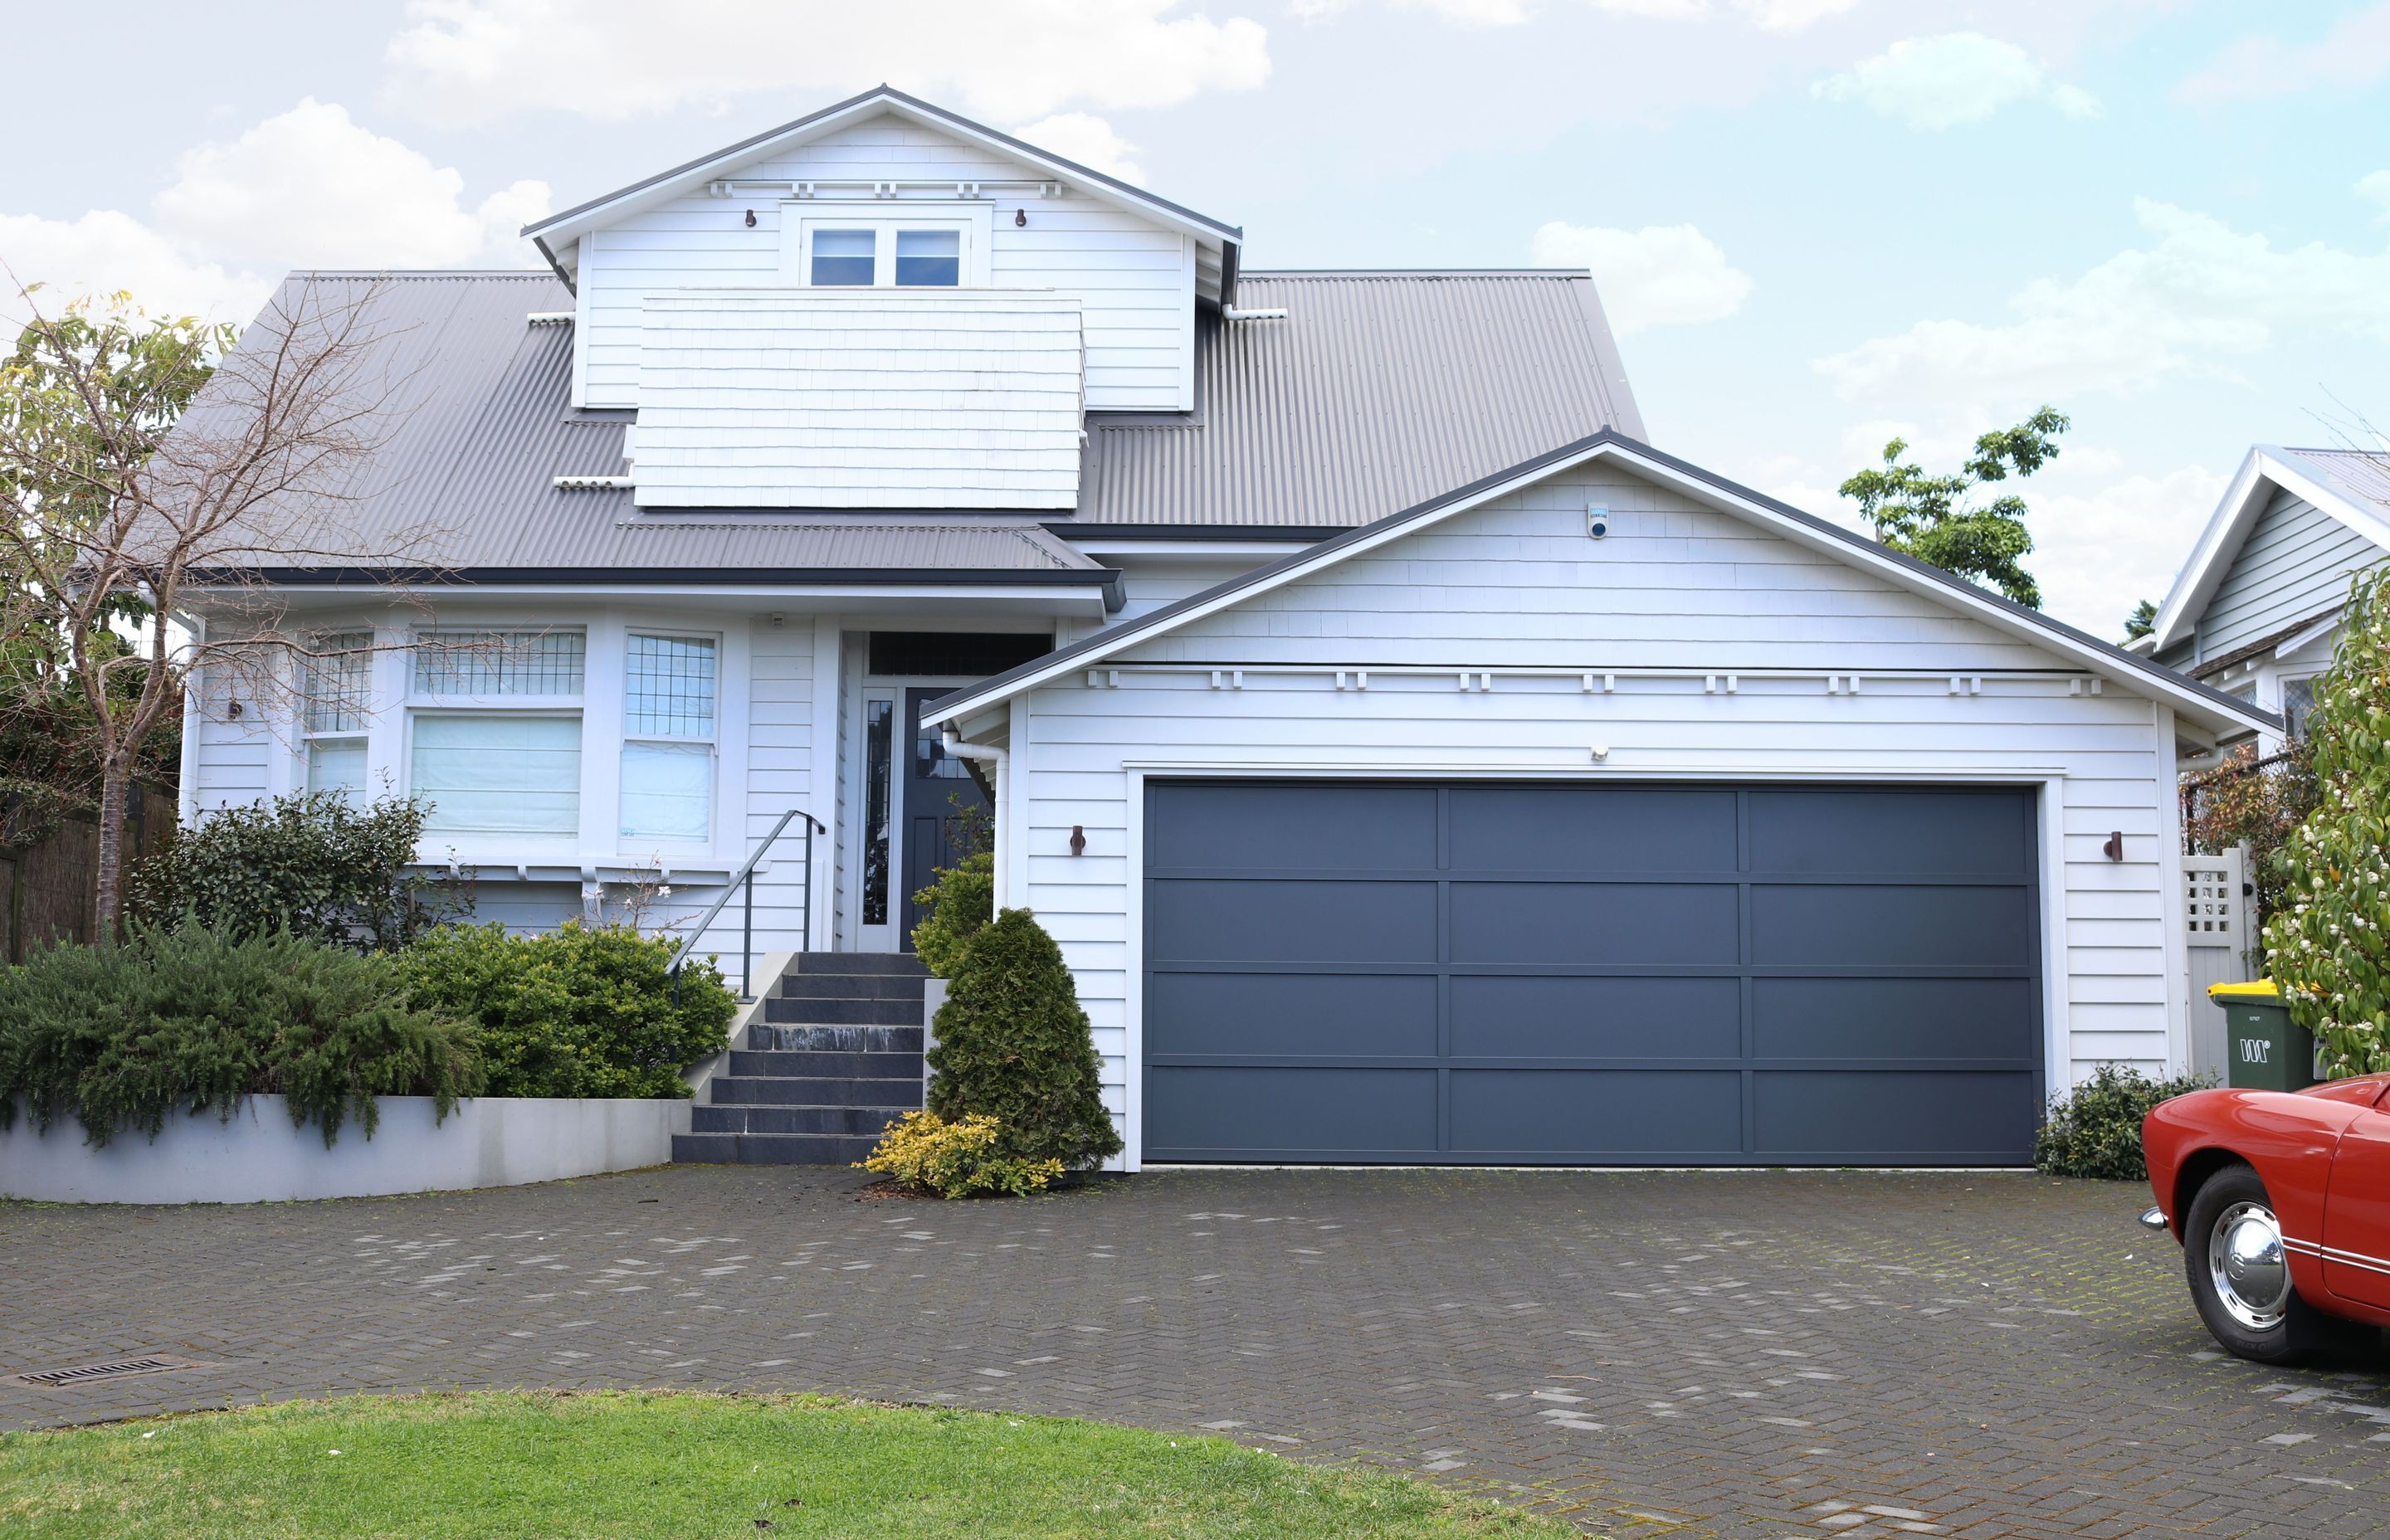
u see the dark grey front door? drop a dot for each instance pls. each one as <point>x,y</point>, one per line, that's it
<point>1511,973</point>
<point>939,792</point>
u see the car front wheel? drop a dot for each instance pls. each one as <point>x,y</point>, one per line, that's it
<point>2240,1273</point>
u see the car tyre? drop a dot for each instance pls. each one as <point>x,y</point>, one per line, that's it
<point>2240,1276</point>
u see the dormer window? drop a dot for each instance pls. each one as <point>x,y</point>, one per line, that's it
<point>873,246</point>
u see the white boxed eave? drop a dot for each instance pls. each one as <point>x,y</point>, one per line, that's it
<point>879,398</point>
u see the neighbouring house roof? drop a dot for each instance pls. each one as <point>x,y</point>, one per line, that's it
<point>553,234</point>
<point>2351,486</point>
<point>2210,707</point>
<point>1376,392</point>
<point>480,428</point>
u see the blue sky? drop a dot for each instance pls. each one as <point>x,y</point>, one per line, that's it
<point>1817,223</point>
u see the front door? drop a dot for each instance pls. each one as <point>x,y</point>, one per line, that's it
<point>941,805</point>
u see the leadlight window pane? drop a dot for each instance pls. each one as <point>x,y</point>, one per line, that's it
<point>928,259</point>
<point>844,258</point>
<point>338,679</point>
<point>499,663</point>
<point>669,688</point>
<point>879,753</point>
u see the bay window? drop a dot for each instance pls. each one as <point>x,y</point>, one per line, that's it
<point>668,738</point>
<point>494,725</point>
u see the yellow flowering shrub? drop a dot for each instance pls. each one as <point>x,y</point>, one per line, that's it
<point>960,1158</point>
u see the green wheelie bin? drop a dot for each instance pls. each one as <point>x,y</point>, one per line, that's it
<point>2263,1049</point>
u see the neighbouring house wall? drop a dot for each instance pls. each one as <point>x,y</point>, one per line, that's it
<point>1135,280</point>
<point>2295,565</point>
<point>1518,585</point>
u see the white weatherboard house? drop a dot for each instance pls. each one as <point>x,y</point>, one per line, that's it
<point>2255,610</point>
<point>1414,764</point>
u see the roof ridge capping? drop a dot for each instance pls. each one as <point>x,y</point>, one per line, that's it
<point>2213,704</point>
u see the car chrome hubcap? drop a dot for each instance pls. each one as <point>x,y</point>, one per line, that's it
<point>2244,1257</point>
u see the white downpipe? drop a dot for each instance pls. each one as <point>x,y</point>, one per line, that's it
<point>995,760</point>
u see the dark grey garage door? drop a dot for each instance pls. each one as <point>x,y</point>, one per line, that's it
<point>1562,974</point>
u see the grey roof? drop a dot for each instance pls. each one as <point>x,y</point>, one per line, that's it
<point>2361,475</point>
<point>1378,391</point>
<point>481,426</point>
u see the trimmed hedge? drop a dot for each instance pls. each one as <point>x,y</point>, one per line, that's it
<point>195,1018</point>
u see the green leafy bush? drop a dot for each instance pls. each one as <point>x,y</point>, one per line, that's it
<point>310,863</point>
<point>2325,943</point>
<point>579,1013</point>
<point>198,1018</point>
<point>1014,1046</point>
<point>955,1159</point>
<point>2095,1129</point>
<point>955,908</point>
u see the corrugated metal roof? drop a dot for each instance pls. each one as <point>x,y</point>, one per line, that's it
<point>2363,475</point>
<point>1376,392</point>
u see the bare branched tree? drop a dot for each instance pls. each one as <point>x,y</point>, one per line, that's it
<point>124,518</point>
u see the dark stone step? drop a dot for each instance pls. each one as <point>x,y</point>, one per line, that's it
<point>768,1037</point>
<point>795,1091</point>
<point>845,1012</point>
<point>839,1066</point>
<point>859,986</point>
<point>851,1121</point>
<point>859,962</point>
<point>802,1149</point>
<point>716,1149</point>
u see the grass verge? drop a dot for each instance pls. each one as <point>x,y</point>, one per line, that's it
<point>495,1466</point>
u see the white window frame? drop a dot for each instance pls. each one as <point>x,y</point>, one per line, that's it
<point>802,217</point>
<point>418,704</point>
<point>713,741</point>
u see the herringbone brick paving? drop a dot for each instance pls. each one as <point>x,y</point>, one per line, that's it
<point>1756,1355</point>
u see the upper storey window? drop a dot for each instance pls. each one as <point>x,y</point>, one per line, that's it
<point>874,246</point>
<point>843,257</point>
<point>928,259</point>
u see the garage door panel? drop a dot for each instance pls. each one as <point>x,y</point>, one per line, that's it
<point>1292,829</point>
<point>1919,833</point>
<point>1550,1016</point>
<point>1884,925</point>
<point>1319,1015</point>
<point>1585,828</point>
<point>1920,1118</point>
<point>1595,1115</point>
<point>1593,922</point>
<point>1244,1112</point>
<point>1243,919</point>
<point>1912,1018</point>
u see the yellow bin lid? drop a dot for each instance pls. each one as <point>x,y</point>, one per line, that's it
<point>2256,989</point>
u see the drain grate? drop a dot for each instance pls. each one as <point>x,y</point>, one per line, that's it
<point>115,1368</point>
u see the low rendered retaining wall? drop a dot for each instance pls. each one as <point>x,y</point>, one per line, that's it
<point>259,1157</point>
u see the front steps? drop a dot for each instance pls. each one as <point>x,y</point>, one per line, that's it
<point>836,1058</point>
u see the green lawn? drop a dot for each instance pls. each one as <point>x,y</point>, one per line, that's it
<point>685,1467</point>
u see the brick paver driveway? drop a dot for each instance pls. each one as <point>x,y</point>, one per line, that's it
<point>1759,1354</point>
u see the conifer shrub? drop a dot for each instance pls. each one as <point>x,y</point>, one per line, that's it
<point>193,1018</point>
<point>955,908</point>
<point>581,1011</point>
<point>2095,1129</point>
<point>2326,946</point>
<point>1013,1045</point>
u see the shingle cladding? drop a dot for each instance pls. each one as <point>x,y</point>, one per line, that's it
<point>1377,390</point>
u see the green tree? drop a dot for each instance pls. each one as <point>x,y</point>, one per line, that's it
<point>2142,622</point>
<point>1932,519</point>
<point>2326,944</point>
<point>1014,1045</point>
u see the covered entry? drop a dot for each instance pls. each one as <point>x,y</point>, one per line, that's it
<point>1681,973</point>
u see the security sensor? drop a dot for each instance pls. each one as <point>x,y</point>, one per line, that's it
<point>1597,522</point>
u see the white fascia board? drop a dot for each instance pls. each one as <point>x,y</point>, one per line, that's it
<point>2163,684</point>
<point>1040,598</point>
<point>561,231</point>
<point>2308,638</point>
<point>1197,550</point>
<point>2262,471</point>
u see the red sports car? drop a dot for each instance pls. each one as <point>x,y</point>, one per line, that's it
<point>2282,1202</point>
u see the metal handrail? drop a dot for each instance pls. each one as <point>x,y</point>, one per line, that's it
<point>746,879</point>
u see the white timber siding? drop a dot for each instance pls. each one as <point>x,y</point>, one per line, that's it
<point>766,765</point>
<point>2295,565</point>
<point>1689,643</point>
<point>858,398</point>
<point>1135,280</point>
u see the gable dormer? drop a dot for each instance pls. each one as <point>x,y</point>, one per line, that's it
<point>852,242</point>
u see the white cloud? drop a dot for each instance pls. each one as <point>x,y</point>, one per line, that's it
<point>2197,295</point>
<point>1957,78</point>
<point>2354,53</point>
<point>311,188</point>
<point>467,61</point>
<point>1773,15</point>
<point>2102,548</point>
<point>106,251</point>
<point>1083,137</point>
<point>2375,188</point>
<point>1661,275</point>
